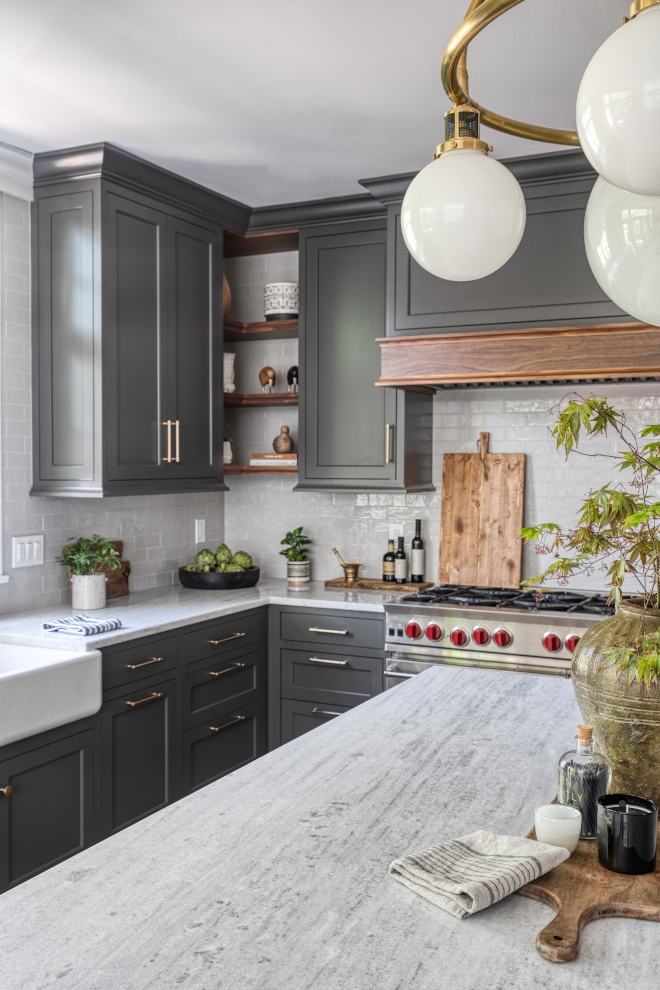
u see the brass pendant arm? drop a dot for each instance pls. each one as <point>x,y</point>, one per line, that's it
<point>479,15</point>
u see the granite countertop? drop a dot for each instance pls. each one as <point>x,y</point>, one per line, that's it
<point>276,876</point>
<point>144,613</point>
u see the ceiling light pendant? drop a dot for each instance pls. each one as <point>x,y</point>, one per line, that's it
<point>463,215</point>
<point>622,241</point>
<point>618,104</point>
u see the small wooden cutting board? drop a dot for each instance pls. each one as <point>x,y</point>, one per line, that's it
<point>482,511</point>
<point>581,890</point>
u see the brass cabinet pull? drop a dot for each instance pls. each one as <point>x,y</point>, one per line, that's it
<point>134,666</point>
<point>219,728</point>
<point>388,433</point>
<point>168,424</point>
<point>335,632</point>
<point>338,663</point>
<point>227,670</point>
<point>176,437</point>
<point>6,790</point>
<point>321,711</point>
<point>150,697</point>
<point>216,642</point>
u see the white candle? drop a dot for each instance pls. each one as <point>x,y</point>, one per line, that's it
<point>558,825</point>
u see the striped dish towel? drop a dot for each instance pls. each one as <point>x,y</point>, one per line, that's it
<point>82,625</point>
<point>466,875</point>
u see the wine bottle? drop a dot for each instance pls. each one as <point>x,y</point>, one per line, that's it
<point>388,562</point>
<point>400,564</point>
<point>417,562</point>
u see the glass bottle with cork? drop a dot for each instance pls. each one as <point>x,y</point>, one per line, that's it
<point>400,567</point>
<point>584,776</point>
<point>417,555</point>
<point>388,563</point>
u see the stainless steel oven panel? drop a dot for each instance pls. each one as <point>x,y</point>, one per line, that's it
<point>398,670</point>
<point>420,655</point>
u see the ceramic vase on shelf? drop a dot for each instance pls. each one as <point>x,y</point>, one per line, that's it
<point>88,591</point>
<point>298,572</point>
<point>281,301</point>
<point>625,717</point>
<point>283,444</point>
<point>227,453</point>
<point>228,371</point>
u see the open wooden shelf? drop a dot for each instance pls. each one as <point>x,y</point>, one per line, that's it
<point>268,330</point>
<point>272,242</point>
<point>238,399</point>
<point>246,469</point>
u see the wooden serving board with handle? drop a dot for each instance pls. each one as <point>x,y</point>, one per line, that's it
<point>482,511</point>
<point>581,890</point>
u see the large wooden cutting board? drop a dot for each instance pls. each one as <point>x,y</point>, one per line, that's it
<point>482,511</point>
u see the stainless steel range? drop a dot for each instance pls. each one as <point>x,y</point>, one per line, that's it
<point>535,631</point>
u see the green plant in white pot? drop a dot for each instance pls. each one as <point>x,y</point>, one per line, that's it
<point>86,558</point>
<point>297,568</point>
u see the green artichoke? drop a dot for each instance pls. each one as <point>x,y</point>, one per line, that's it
<point>243,559</point>
<point>232,568</point>
<point>223,554</point>
<point>193,567</point>
<point>205,558</point>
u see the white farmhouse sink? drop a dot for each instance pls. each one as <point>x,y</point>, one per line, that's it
<point>41,688</point>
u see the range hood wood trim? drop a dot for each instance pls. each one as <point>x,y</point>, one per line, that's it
<point>610,350</point>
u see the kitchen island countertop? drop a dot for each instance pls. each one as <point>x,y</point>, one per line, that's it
<point>276,876</point>
<point>146,613</point>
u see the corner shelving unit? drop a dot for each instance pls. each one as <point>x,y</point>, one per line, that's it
<point>241,245</point>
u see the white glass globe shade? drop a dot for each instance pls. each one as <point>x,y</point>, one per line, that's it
<point>463,215</point>
<point>622,240</point>
<point>618,106</point>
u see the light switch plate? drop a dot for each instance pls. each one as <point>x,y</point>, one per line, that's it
<point>200,530</point>
<point>27,551</point>
<point>396,530</point>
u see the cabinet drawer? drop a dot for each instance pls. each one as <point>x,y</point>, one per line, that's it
<point>299,717</point>
<point>222,745</point>
<point>123,666</point>
<point>223,636</point>
<point>222,685</point>
<point>330,678</point>
<point>331,630</point>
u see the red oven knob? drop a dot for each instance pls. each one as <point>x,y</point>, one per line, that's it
<point>413,630</point>
<point>552,642</point>
<point>571,642</point>
<point>458,636</point>
<point>434,631</point>
<point>480,636</point>
<point>502,637</point>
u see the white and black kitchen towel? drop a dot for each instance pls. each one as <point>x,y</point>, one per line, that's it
<point>82,625</point>
<point>466,875</point>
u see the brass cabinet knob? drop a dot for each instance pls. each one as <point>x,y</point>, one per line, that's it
<point>6,790</point>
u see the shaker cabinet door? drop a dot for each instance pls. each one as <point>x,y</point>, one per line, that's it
<point>46,807</point>
<point>135,281</point>
<point>139,755</point>
<point>223,744</point>
<point>194,350</point>
<point>350,425</point>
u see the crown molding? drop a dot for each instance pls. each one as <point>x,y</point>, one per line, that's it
<point>313,212</point>
<point>16,172</point>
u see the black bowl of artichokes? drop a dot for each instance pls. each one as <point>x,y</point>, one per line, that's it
<point>222,569</point>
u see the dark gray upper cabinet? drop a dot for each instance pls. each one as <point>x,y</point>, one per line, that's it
<point>128,335</point>
<point>547,282</point>
<point>354,436</point>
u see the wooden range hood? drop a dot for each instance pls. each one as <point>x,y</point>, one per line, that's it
<point>611,351</point>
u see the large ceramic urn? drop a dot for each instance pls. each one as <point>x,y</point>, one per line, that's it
<point>625,717</point>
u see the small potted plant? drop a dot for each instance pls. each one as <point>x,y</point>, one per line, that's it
<point>85,558</point>
<point>297,567</point>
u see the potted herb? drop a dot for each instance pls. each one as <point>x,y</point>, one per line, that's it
<point>617,662</point>
<point>85,559</point>
<point>297,568</point>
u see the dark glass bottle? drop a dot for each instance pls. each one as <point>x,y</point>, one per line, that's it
<point>417,562</point>
<point>388,562</point>
<point>400,564</point>
<point>584,776</point>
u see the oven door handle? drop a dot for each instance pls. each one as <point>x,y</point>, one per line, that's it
<point>394,673</point>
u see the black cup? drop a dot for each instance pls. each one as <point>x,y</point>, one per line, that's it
<point>627,833</point>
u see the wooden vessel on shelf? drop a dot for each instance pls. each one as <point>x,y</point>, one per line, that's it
<point>246,469</point>
<point>267,330</point>
<point>377,584</point>
<point>261,399</point>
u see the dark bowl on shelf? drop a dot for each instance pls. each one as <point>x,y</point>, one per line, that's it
<point>218,581</point>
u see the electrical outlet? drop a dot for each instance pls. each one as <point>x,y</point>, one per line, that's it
<point>200,530</point>
<point>27,551</point>
<point>396,530</point>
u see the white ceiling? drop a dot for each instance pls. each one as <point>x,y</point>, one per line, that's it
<point>274,102</point>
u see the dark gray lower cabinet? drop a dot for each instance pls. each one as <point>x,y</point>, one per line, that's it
<point>221,745</point>
<point>49,814</point>
<point>299,717</point>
